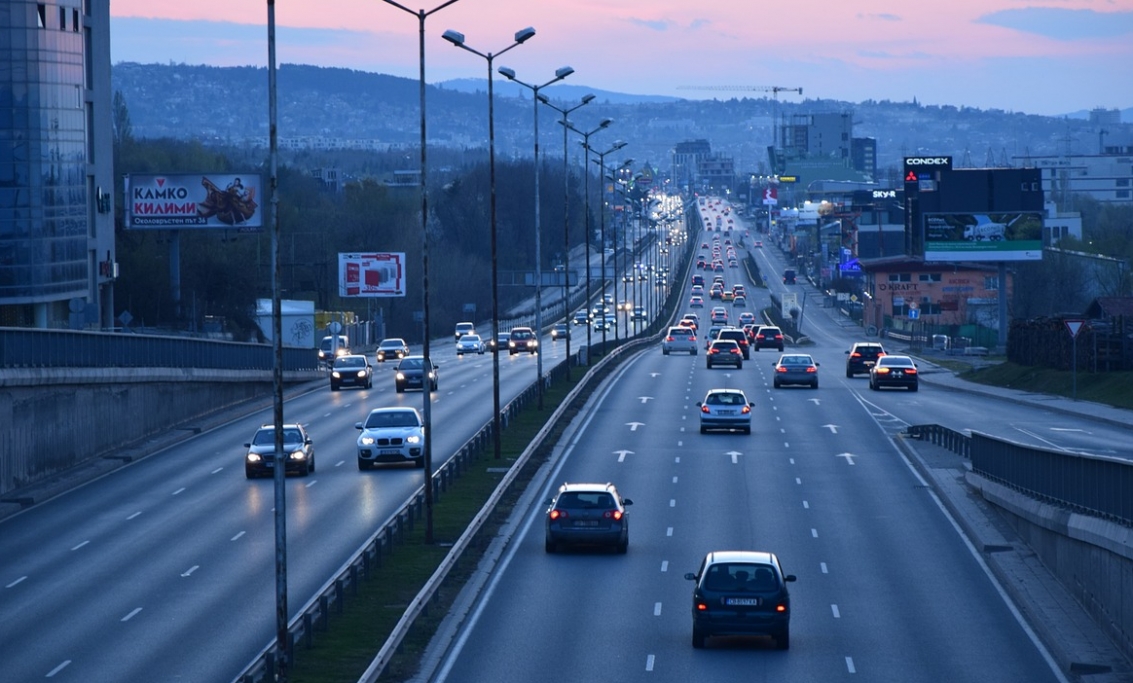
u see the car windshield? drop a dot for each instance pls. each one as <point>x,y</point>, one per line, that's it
<point>470,338</point>
<point>266,437</point>
<point>392,344</point>
<point>350,362</point>
<point>392,418</point>
<point>737,576</point>
<point>585,500</point>
<point>723,399</point>
<point>521,334</point>
<point>410,364</point>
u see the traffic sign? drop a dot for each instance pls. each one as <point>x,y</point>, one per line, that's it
<point>1074,326</point>
<point>914,314</point>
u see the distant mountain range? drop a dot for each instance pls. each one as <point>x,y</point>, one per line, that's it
<point>228,105</point>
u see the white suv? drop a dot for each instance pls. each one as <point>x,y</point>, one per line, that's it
<point>681,339</point>
<point>463,329</point>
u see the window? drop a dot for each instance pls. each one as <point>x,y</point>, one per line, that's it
<point>900,277</point>
<point>75,20</point>
<point>991,282</point>
<point>41,15</point>
<point>1123,194</point>
<point>929,277</point>
<point>62,18</point>
<point>1123,182</point>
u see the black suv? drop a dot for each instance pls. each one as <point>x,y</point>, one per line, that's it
<point>741,592</point>
<point>768,337</point>
<point>862,356</point>
<point>724,352</point>
<point>587,514</point>
<point>299,452</point>
<point>737,335</point>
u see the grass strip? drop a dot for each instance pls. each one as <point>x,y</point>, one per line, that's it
<point>354,636</point>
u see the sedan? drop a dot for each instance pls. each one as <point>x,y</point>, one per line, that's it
<point>391,435</point>
<point>560,331</point>
<point>893,371</point>
<point>470,343</point>
<point>501,342</point>
<point>696,302</point>
<point>587,514</point>
<point>299,452</point>
<point>353,371</point>
<point>724,352</point>
<point>393,348</point>
<point>411,373</point>
<point>725,409</point>
<point>796,368</point>
<point>741,592</point>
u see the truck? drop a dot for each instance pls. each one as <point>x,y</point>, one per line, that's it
<point>984,230</point>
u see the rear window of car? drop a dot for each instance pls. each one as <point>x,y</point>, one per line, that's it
<point>585,500</point>
<point>726,400</point>
<point>736,335</point>
<point>738,576</point>
<point>868,350</point>
<point>680,331</point>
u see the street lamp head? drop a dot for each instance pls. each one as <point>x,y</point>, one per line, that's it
<point>618,144</point>
<point>454,37</point>
<point>521,36</point>
<point>605,122</point>
<point>587,99</point>
<point>563,72</point>
<point>507,73</point>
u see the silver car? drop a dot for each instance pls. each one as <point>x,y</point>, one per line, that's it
<point>725,409</point>
<point>391,435</point>
<point>680,339</point>
<point>470,343</point>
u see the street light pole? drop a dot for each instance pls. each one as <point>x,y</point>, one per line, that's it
<point>586,173</point>
<point>587,99</point>
<point>602,177</point>
<point>560,74</point>
<point>427,400</point>
<point>457,39</point>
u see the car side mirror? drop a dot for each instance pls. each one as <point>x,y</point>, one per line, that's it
<point>847,353</point>
<point>307,441</point>
<point>790,577</point>
<point>751,404</point>
<point>247,445</point>
<point>627,501</point>
<point>690,576</point>
<point>817,364</point>
<point>358,425</point>
<point>699,404</point>
<point>549,501</point>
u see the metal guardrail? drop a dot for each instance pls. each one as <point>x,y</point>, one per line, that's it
<point>35,348</point>
<point>1095,485</point>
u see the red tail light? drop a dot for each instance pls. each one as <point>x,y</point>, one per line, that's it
<point>557,514</point>
<point>910,371</point>
<point>704,409</point>
<point>668,339</point>
<point>781,368</point>
<point>612,514</point>
<point>812,369</point>
<point>881,371</point>
<point>855,354</point>
<point>746,410</point>
<point>780,608</point>
<point>701,607</point>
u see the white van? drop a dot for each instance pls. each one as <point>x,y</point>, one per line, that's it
<point>941,342</point>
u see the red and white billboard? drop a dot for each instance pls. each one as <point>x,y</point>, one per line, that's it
<point>770,195</point>
<point>380,274</point>
<point>193,200</point>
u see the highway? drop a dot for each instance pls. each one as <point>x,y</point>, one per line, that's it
<point>888,589</point>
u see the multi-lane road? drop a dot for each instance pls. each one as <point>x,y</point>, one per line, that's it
<point>163,570</point>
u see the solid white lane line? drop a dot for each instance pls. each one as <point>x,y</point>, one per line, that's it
<point>134,515</point>
<point>340,463</point>
<point>190,570</point>
<point>131,614</point>
<point>649,663</point>
<point>216,470</point>
<point>311,483</point>
<point>806,505</point>
<point>51,674</point>
<point>786,444</point>
<point>798,480</point>
<point>678,460</point>
<point>237,536</point>
<point>664,566</point>
<point>791,460</point>
<point>672,502</point>
<point>21,579</point>
<point>669,531</point>
<point>834,609</point>
<point>735,459</point>
<point>822,565</point>
<point>80,545</point>
<point>656,609</point>
<point>814,533</point>
<point>179,490</point>
<point>850,665</point>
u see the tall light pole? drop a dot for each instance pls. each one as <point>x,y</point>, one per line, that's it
<point>427,401</point>
<point>587,99</point>
<point>586,173</point>
<point>560,74</point>
<point>601,161</point>
<point>457,39</point>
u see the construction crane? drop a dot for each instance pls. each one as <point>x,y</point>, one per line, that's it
<point>773,89</point>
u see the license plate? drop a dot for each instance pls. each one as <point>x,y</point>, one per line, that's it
<point>742,602</point>
<point>869,364</point>
<point>586,522</point>
<point>727,412</point>
<point>389,451</point>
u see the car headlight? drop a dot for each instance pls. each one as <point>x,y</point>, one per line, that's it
<point>533,342</point>
<point>400,376</point>
<point>413,439</point>
<point>511,344</point>
<point>335,374</point>
<point>366,441</point>
<point>361,373</point>
<point>297,455</point>
<point>255,457</point>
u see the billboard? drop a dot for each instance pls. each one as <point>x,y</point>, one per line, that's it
<point>1014,236</point>
<point>379,274</point>
<point>193,200</point>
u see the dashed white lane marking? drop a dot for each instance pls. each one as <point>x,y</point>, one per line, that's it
<point>179,490</point>
<point>656,609</point>
<point>340,463</point>
<point>190,570</point>
<point>850,665</point>
<point>51,674</point>
<point>664,565</point>
<point>814,533</point>
<point>674,480</point>
<point>649,662</point>
<point>669,531</point>
<point>134,515</point>
<point>311,483</point>
<point>237,536</point>
<point>822,566</point>
<point>735,459</point>
<point>798,480</point>
<point>806,505</point>
<point>131,614</point>
<point>677,460</point>
<point>80,545</point>
<point>216,470</point>
<point>16,582</point>
<point>791,460</point>
<point>834,609</point>
<point>672,502</point>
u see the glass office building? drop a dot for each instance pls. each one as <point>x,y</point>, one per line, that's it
<point>56,172</point>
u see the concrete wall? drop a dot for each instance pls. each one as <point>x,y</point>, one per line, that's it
<point>53,420</point>
<point>1092,557</point>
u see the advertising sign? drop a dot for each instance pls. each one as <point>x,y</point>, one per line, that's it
<point>371,275</point>
<point>191,200</point>
<point>770,195</point>
<point>983,237</point>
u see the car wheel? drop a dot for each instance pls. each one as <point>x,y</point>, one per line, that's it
<point>623,546</point>
<point>664,352</point>
<point>747,430</point>
<point>872,386</point>
<point>550,546</point>
<point>434,386</point>
<point>249,474</point>
<point>815,385</point>
<point>783,639</point>
<point>481,352</point>
<point>913,388</point>
<point>334,387</point>
<point>370,384</point>
<point>777,385</point>
<point>704,430</point>
<point>740,365</point>
<point>306,471</point>
<point>698,637</point>
<point>693,352</point>
<point>849,375</point>
<point>363,465</point>
<point>780,348</point>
